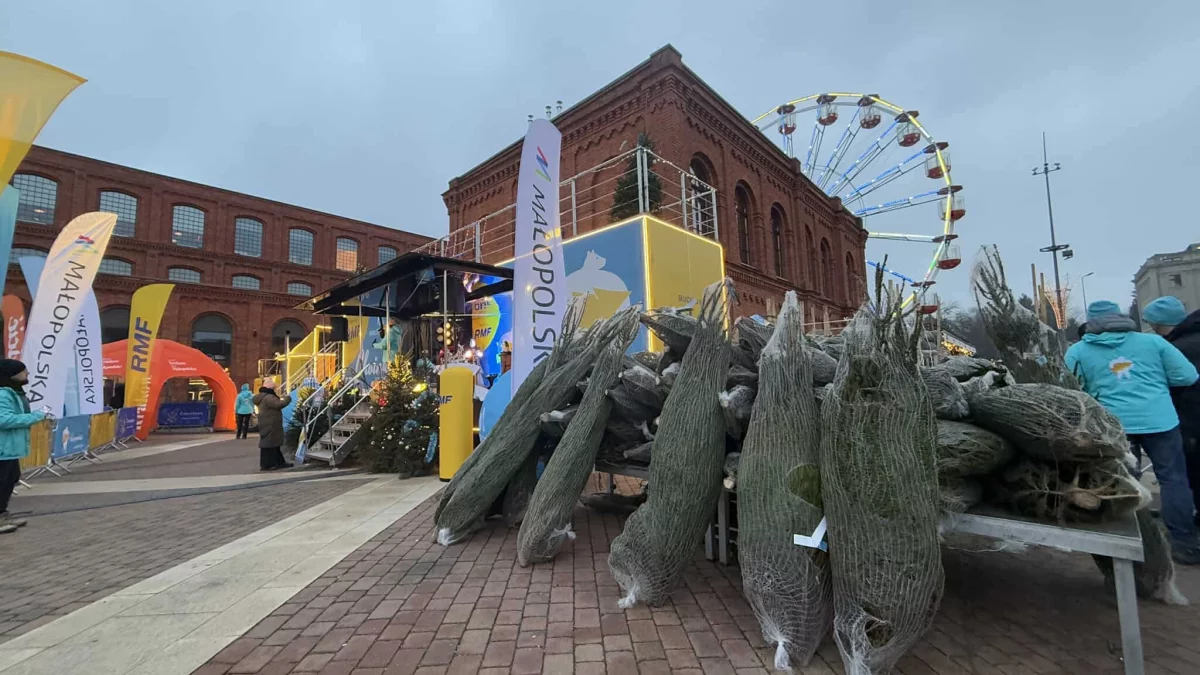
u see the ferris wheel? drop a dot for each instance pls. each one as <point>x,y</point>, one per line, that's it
<point>883,162</point>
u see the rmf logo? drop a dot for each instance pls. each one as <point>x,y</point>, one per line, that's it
<point>443,400</point>
<point>87,245</point>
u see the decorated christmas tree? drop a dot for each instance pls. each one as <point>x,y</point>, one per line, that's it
<point>402,432</point>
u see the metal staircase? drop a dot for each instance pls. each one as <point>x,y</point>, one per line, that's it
<point>344,432</point>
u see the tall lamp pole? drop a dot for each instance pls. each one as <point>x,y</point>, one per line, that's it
<point>1054,246</point>
<point>1083,285</point>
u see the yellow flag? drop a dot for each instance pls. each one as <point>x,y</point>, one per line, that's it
<point>145,314</point>
<point>29,92</point>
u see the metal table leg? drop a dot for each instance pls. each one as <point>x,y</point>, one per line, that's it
<point>723,527</point>
<point>1127,611</point>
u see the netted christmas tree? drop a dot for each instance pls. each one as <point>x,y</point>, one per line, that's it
<point>404,422</point>
<point>625,196</point>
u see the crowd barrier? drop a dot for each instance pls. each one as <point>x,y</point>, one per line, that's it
<point>55,446</point>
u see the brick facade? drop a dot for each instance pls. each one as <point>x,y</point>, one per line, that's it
<point>253,314</point>
<point>823,243</point>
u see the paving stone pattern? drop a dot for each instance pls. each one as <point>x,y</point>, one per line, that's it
<point>403,605</point>
<point>227,457</point>
<point>62,562</point>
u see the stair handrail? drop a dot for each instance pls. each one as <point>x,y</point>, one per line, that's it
<point>324,411</point>
<point>309,366</point>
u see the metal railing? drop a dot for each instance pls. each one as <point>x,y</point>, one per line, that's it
<point>326,407</point>
<point>637,181</point>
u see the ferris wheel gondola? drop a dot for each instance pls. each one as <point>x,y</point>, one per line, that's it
<point>881,163</point>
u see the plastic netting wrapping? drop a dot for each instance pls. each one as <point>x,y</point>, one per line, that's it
<point>1153,579</point>
<point>613,502</point>
<point>519,490</point>
<point>547,522</point>
<point>788,586</point>
<point>675,327</point>
<point>732,461</point>
<point>507,447</point>
<point>554,423</point>
<point>945,393</point>
<point>966,450</point>
<point>524,393</point>
<point>640,454</point>
<point>737,404</point>
<point>986,382</point>
<point>963,368</point>
<point>959,494</point>
<point>880,490</point>
<point>824,368</point>
<point>649,556</point>
<point>1067,492</point>
<point>739,375</point>
<point>1051,423</point>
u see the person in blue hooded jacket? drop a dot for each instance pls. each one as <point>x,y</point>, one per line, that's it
<point>391,340</point>
<point>15,420</point>
<point>244,408</point>
<point>1131,374</point>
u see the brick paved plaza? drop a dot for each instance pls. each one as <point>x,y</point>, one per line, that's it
<point>403,605</point>
<point>207,569</point>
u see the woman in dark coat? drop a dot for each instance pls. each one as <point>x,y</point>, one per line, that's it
<point>1169,318</point>
<point>270,427</point>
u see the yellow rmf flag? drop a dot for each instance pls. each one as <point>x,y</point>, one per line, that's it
<point>145,314</point>
<point>29,93</point>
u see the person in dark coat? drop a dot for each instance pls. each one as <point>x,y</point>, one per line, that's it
<point>270,427</point>
<point>1169,318</point>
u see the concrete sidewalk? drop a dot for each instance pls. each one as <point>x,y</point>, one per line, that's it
<point>174,621</point>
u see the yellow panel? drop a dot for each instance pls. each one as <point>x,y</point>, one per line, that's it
<point>679,266</point>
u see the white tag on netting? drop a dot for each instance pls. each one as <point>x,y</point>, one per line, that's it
<point>815,540</point>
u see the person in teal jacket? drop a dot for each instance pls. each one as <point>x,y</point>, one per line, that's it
<point>15,420</point>
<point>1131,374</point>
<point>391,340</point>
<point>244,408</point>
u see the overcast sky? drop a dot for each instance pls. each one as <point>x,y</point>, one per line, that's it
<point>367,109</point>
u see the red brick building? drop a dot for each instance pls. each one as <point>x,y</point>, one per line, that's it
<point>780,232</point>
<point>240,263</point>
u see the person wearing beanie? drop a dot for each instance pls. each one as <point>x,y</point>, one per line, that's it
<point>244,408</point>
<point>15,420</point>
<point>270,427</point>
<point>1169,318</point>
<point>1131,374</point>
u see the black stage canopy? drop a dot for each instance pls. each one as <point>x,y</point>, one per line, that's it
<point>416,283</point>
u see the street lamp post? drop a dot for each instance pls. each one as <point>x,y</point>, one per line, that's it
<point>1054,246</point>
<point>1083,286</point>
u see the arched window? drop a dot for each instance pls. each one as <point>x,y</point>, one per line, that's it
<point>247,282</point>
<point>114,324</point>
<point>184,275</point>
<point>299,288</point>
<point>19,252</point>
<point>116,267</point>
<point>853,293</point>
<point>810,248</point>
<point>741,214</point>
<point>300,247</point>
<point>125,207</point>
<point>212,334</point>
<point>703,197</point>
<point>347,254</point>
<point>187,226</point>
<point>289,328</point>
<point>247,237</point>
<point>777,239</point>
<point>827,288</point>
<point>37,200</point>
<point>386,254</point>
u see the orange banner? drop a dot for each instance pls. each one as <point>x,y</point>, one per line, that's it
<point>32,91</point>
<point>13,311</point>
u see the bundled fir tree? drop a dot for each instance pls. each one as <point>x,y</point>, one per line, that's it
<point>625,197</point>
<point>404,421</point>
